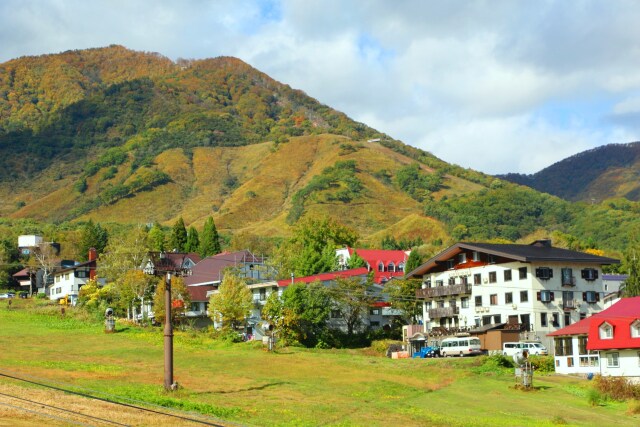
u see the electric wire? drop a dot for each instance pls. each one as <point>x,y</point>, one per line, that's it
<point>62,409</point>
<point>42,384</point>
<point>44,414</point>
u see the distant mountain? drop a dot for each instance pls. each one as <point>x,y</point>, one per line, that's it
<point>127,137</point>
<point>601,173</point>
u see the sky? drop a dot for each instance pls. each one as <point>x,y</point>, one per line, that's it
<point>496,86</point>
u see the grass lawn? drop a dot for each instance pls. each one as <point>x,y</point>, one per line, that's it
<point>243,384</point>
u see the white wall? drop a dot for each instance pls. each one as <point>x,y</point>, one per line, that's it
<point>628,363</point>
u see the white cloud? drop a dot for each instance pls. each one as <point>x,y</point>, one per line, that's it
<point>475,82</point>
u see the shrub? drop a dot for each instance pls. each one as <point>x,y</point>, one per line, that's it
<point>617,388</point>
<point>542,364</point>
<point>594,397</point>
<point>495,363</point>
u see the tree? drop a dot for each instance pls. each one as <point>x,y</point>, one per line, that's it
<point>180,299</point>
<point>193,241</point>
<point>210,242</point>
<point>8,261</point>
<point>352,299</point>
<point>301,314</point>
<point>402,296</point>
<point>178,238</point>
<point>414,261</point>
<point>631,286</point>
<point>232,304</point>
<point>46,258</point>
<point>356,261</point>
<point>94,236</point>
<point>157,238</point>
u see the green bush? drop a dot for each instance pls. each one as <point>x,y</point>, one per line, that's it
<point>543,364</point>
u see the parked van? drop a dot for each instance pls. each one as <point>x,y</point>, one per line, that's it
<point>460,346</point>
<point>511,348</point>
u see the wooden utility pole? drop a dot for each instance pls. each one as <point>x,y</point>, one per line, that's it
<point>168,337</point>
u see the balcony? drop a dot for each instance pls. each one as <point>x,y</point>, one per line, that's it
<point>568,281</point>
<point>569,304</point>
<point>443,291</point>
<point>436,313</point>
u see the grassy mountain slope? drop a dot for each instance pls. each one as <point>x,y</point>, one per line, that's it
<point>594,175</point>
<point>129,137</point>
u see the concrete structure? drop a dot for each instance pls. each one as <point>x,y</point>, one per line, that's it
<point>532,288</point>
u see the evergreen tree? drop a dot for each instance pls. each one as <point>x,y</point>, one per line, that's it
<point>631,286</point>
<point>356,261</point>
<point>92,236</point>
<point>414,261</point>
<point>210,242</point>
<point>178,238</point>
<point>193,241</point>
<point>157,238</point>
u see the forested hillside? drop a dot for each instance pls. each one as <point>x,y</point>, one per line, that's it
<point>594,175</point>
<point>123,137</point>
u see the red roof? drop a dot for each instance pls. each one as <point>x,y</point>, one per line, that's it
<point>374,257</point>
<point>325,277</point>
<point>620,316</point>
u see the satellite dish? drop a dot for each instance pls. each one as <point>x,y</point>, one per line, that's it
<point>520,357</point>
<point>108,312</point>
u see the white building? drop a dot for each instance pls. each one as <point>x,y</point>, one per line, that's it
<point>534,288</point>
<point>607,343</point>
<point>68,281</point>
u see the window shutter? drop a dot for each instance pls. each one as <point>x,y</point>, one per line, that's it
<point>584,273</point>
<point>538,272</point>
<point>550,273</point>
<point>538,294</point>
<point>584,296</point>
<point>552,296</point>
<point>595,274</point>
<point>597,296</point>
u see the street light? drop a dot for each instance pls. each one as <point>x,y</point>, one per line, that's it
<point>164,267</point>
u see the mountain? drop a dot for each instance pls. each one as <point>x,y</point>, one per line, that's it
<point>126,137</point>
<point>602,173</point>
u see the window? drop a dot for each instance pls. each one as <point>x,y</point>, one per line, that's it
<point>582,345</point>
<point>569,362</point>
<point>477,279</point>
<point>493,299</point>
<point>491,259</point>
<point>635,329</point>
<point>605,331</point>
<point>545,296</point>
<point>493,277</point>
<point>559,344</point>
<point>263,294</point>
<point>543,319</point>
<point>567,319</point>
<point>567,277</point>
<point>374,324</point>
<point>464,302</point>
<point>476,256</point>
<point>479,301</point>
<point>544,273</point>
<point>524,296</point>
<point>380,266</point>
<point>439,282</point>
<point>555,320</point>
<point>449,264</point>
<point>462,258</point>
<point>57,279</point>
<point>590,296</point>
<point>452,281</point>
<point>464,280</point>
<point>66,276</point>
<point>401,266</point>
<point>507,275</point>
<point>391,267</point>
<point>440,304</point>
<point>612,360</point>
<point>589,274</point>
<point>374,311</point>
<point>522,271</point>
<point>427,283</point>
<point>508,298</point>
<point>195,306</point>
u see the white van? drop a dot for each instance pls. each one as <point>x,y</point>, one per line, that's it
<point>460,346</point>
<point>511,348</point>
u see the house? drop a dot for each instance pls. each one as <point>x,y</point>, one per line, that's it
<point>536,288</point>
<point>607,343</point>
<point>380,313</point>
<point>207,274</point>
<point>171,261</point>
<point>385,264</point>
<point>67,281</point>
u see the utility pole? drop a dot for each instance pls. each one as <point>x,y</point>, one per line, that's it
<point>168,337</point>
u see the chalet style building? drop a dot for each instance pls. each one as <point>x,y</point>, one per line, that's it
<point>534,288</point>
<point>385,264</point>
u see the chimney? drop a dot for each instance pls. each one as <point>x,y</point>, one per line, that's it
<point>93,254</point>
<point>544,243</point>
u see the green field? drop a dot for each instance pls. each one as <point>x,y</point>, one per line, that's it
<point>243,384</point>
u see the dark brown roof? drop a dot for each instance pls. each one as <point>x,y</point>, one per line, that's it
<point>540,251</point>
<point>210,269</point>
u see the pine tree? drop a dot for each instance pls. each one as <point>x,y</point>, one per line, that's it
<point>414,261</point>
<point>92,236</point>
<point>157,238</point>
<point>210,242</point>
<point>193,241</point>
<point>178,238</point>
<point>631,286</point>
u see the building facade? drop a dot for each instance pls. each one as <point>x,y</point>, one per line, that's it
<point>534,288</point>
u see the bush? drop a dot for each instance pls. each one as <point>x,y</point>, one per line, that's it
<point>543,364</point>
<point>616,388</point>
<point>495,363</point>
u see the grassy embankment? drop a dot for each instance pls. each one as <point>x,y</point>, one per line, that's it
<point>244,384</point>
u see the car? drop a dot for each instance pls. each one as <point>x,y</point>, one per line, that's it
<point>531,347</point>
<point>7,295</point>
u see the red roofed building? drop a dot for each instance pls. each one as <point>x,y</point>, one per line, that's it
<point>385,264</point>
<point>326,278</point>
<point>607,343</point>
